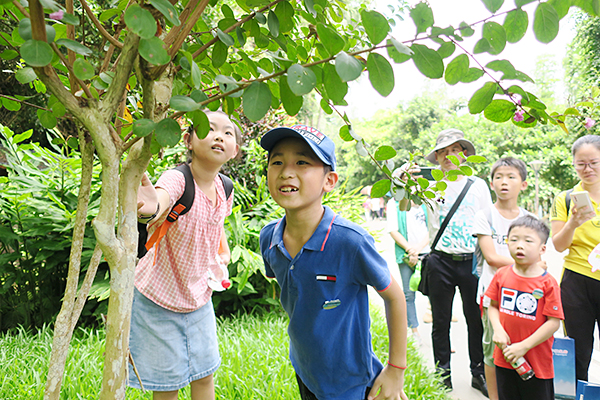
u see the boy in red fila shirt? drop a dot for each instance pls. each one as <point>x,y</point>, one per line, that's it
<point>525,312</point>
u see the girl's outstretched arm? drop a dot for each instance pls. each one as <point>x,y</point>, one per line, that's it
<point>151,202</point>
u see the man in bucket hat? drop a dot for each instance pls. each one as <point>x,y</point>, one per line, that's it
<point>451,262</point>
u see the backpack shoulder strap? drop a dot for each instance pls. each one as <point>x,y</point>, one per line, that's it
<point>568,199</point>
<point>227,184</point>
<point>181,206</point>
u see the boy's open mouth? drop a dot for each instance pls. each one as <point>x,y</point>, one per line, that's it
<point>218,147</point>
<point>288,189</point>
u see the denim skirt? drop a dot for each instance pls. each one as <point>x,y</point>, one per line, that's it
<point>170,350</point>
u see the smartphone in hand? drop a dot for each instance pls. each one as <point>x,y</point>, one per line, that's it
<point>425,172</point>
<point>582,201</point>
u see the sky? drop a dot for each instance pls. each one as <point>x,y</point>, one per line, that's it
<point>409,82</point>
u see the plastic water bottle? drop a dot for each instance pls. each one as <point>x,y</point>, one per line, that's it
<point>218,276</point>
<point>523,368</point>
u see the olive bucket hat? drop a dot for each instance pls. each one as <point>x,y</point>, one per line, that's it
<point>447,138</point>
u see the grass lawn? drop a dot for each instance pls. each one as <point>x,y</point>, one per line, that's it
<point>254,352</point>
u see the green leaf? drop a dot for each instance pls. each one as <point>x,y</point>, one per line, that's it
<point>428,61</point>
<point>47,120</point>
<point>545,23</point>
<point>183,103</point>
<point>83,69</point>
<point>75,46</point>
<point>196,75</point>
<point>36,53</point>
<point>424,183</point>
<point>200,122</point>
<point>301,80</point>
<point>167,132</point>
<point>198,96</point>
<point>398,51</point>
<point>226,84</point>
<point>571,111</point>
<point>291,103</point>
<point>493,5</point>
<point>11,105</point>
<point>482,98</point>
<point>518,90</point>
<point>143,127</point>
<point>561,7</point>
<point>381,74</point>
<point>515,25</point>
<point>401,47</point>
<point>167,9</point>
<point>240,34</point>
<point>422,16</point>
<point>285,14</point>
<point>472,75</point>
<point>9,54</point>
<point>482,46</point>
<point>521,3</point>
<point>260,17</point>
<point>385,153</point>
<point>496,37</point>
<point>153,51</point>
<point>50,33</point>
<point>25,29</point>
<point>25,75</point>
<point>345,133</point>
<point>324,103</point>
<point>335,87</point>
<point>381,188</point>
<point>348,67</point>
<point>457,69</point>
<point>256,100</point>
<point>437,174</point>
<point>500,110</point>
<point>446,49</point>
<point>225,38</point>
<point>475,159</point>
<point>465,169</point>
<point>140,21</point>
<point>466,30</point>
<point>333,42</point>
<point>376,26</point>
<point>70,19</point>
<point>56,107</point>
<point>219,54</point>
<point>273,23</point>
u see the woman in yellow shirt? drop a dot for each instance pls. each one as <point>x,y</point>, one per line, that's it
<point>579,232</point>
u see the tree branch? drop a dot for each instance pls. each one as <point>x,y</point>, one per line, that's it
<point>183,18</point>
<point>99,26</point>
<point>23,102</point>
<point>112,98</point>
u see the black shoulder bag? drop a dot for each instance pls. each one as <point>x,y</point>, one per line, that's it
<point>424,283</point>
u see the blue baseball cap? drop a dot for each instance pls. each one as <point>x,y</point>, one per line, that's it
<point>323,147</point>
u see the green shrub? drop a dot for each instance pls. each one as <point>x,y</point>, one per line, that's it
<point>38,200</point>
<point>254,352</point>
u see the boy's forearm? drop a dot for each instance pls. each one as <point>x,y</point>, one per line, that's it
<point>395,312</point>
<point>494,316</point>
<point>542,333</point>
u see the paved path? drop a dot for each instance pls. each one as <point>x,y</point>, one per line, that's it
<point>461,375</point>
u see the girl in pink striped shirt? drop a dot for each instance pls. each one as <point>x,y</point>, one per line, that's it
<point>173,330</point>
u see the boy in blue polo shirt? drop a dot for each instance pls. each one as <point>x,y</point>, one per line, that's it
<point>323,265</point>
